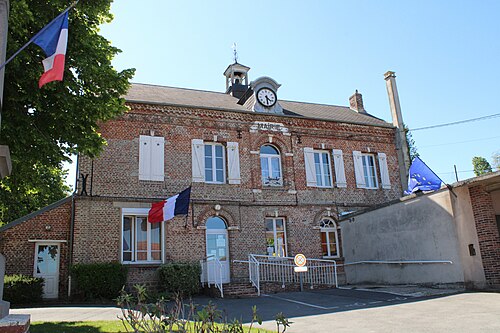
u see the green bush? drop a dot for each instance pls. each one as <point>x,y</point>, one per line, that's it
<point>20,289</point>
<point>183,278</point>
<point>100,280</point>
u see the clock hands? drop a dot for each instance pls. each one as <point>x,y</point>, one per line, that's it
<point>268,100</point>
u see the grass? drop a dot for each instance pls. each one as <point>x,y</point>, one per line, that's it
<point>111,326</point>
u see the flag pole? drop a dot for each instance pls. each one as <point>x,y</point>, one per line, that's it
<point>448,186</point>
<point>35,36</point>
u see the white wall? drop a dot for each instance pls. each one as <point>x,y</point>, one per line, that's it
<point>421,228</point>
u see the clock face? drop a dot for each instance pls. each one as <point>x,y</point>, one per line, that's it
<point>266,97</point>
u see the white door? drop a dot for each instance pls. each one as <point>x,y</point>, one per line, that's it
<point>47,267</point>
<point>217,248</point>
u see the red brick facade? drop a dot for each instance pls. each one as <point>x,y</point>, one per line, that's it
<point>487,232</point>
<point>113,184</point>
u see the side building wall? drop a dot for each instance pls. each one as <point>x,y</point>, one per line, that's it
<point>420,228</point>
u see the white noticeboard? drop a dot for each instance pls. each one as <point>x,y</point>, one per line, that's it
<point>300,269</point>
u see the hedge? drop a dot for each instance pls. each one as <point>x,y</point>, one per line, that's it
<point>183,278</point>
<point>98,281</point>
<point>21,289</point>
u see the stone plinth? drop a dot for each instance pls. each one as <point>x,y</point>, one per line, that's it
<point>15,324</point>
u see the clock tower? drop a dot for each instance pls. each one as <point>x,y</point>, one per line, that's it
<point>265,98</point>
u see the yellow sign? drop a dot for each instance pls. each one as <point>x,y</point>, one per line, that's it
<point>300,260</point>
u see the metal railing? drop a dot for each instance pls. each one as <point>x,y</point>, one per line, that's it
<point>264,268</point>
<point>211,273</point>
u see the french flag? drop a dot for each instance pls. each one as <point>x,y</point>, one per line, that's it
<point>166,210</point>
<point>53,39</point>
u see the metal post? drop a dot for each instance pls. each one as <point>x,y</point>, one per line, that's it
<point>301,283</point>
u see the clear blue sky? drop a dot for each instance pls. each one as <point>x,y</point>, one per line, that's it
<point>445,54</point>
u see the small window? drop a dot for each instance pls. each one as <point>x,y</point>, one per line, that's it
<point>215,222</point>
<point>270,163</point>
<point>329,238</point>
<point>276,237</point>
<point>215,171</point>
<point>323,169</point>
<point>141,240</point>
<point>369,171</point>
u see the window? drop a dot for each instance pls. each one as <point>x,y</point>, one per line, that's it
<point>141,241</point>
<point>270,163</point>
<point>329,238</point>
<point>369,171</point>
<point>151,158</point>
<point>214,163</point>
<point>276,237</point>
<point>209,162</point>
<point>323,169</point>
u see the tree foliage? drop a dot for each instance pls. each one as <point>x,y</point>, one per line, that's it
<point>481,165</point>
<point>496,160</point>
<point>412,148</point>
<point>43,127</point>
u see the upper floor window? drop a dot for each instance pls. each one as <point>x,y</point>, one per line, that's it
<point>329,238</point>
<point>365,170</point>
<point>210,165</point>
<point>323,169</point>
<point>369,170</point>
<point>151,158</point>
<point>141,240</point>
<point>270,163</point>
<point>276,237</point>
<point>214,163</point>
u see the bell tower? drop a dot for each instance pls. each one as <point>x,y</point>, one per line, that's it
<point>236,77</point>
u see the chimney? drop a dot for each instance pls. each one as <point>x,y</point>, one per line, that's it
<point>356,102</point>
<point>397,121</point>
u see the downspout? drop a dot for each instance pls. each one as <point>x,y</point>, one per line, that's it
<point>72,225</point>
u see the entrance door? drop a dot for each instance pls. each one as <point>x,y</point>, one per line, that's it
<point>47,267</point>
<point>217,248</point>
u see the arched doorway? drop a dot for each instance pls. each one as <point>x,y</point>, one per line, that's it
<point>217,248</point>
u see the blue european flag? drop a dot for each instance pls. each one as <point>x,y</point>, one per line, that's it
<point>422,178</point>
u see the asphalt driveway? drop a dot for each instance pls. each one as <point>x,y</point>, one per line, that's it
<point>336,310</point>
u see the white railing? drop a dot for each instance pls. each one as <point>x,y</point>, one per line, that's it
<point>254,272</point>
<point>211,273</point>
<point>281,269</point>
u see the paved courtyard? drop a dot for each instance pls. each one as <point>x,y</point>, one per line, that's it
<point>337,310</point>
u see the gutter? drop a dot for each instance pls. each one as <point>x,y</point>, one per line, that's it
<point>72,226</point>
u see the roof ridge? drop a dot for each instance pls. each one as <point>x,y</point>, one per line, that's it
<point>190,89</point>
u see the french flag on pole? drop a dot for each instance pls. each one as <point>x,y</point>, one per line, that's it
<point>53,40</point>
<point>167,209</point>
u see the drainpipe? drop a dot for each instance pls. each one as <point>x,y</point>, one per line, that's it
<point>72,225</point>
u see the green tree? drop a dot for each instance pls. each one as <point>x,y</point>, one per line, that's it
<point>496,160</point>
<point>481,166</point>
<point>43,127</point>
<point>410,144</point>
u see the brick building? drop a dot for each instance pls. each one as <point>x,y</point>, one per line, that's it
<point>268,177</point>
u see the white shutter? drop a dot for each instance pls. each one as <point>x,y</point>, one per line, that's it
<point>157,158</point>
<point>384,171</point>
<point>233,163</point>
<point>358,169</point>
<point>144,157</point>
<point>338,162</point>
<point>310,168</point>
<point>198,160</point>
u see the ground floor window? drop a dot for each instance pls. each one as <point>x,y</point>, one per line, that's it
<point>141,240</point>
<point>329,238</point>
<point>276,237</point>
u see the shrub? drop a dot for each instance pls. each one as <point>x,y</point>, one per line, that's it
<point>20,289</point>
<point>182,278</point>
<point>100,280</point>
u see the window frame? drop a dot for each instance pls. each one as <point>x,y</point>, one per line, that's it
<point>275,234</point>
<point>214,162</point>
<point>321,164</point>
<point>140,212</point>
<point>269,157</point>
<point>327,231</point>
<point>368,185</point>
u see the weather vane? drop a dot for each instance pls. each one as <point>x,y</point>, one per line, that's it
<point>235,52</point>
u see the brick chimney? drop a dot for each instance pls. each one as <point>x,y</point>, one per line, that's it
<point>356,102</point>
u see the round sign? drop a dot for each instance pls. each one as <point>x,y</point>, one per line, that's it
<point>300,260</point>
